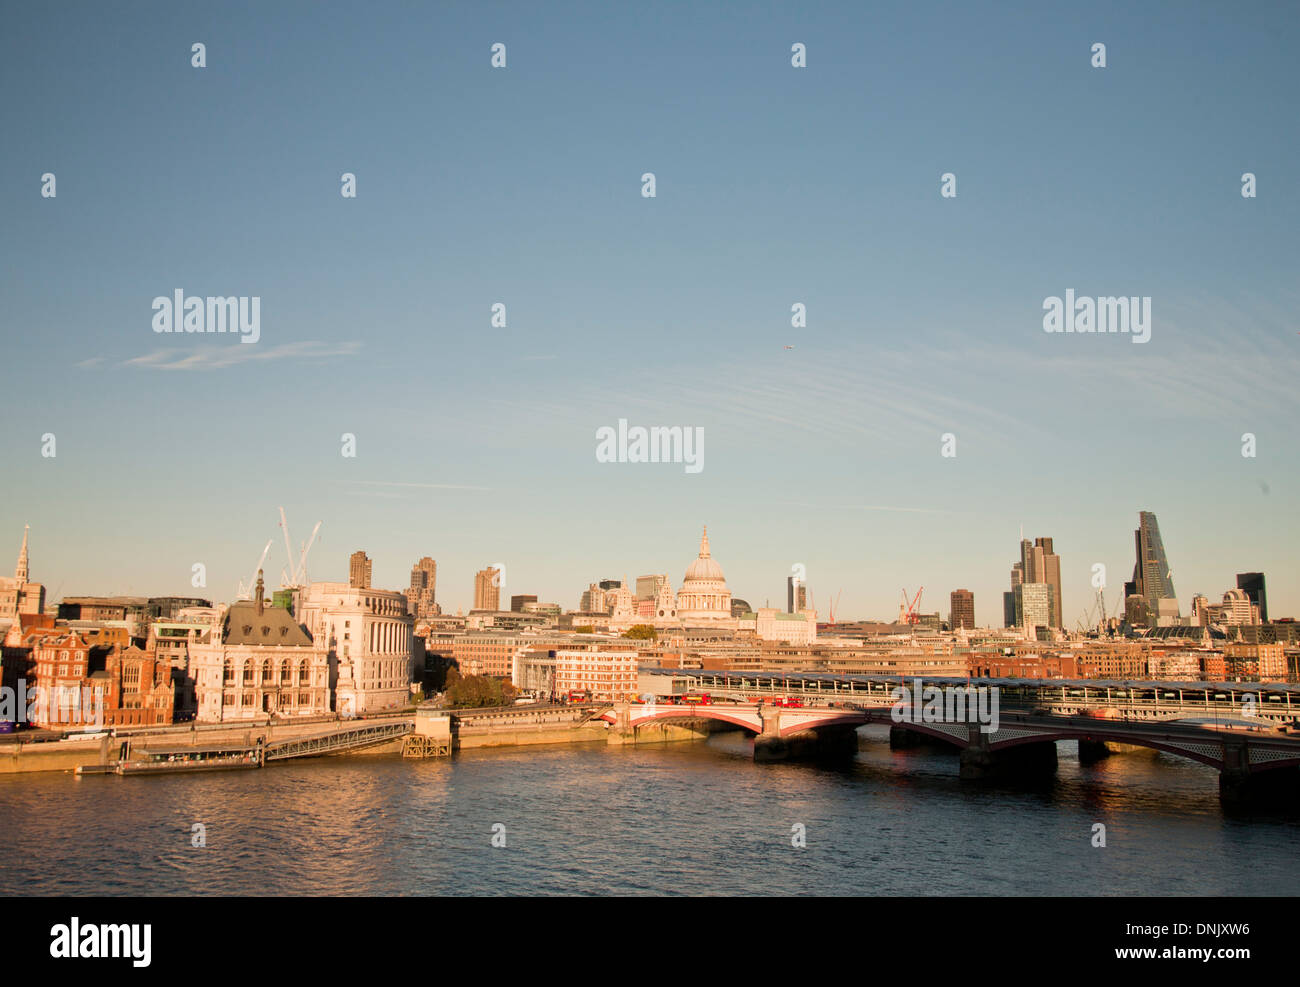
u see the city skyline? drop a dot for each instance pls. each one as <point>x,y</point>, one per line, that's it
<point>986,608</point>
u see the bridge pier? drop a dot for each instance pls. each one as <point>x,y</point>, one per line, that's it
<point>1241,788</point>
<point>1092,751</point>
<point>1275,788</point>
<point>621,730</point>
<point>980,762</point>
<point>771,745</point>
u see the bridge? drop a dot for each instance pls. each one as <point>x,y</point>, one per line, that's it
<point>1230,727</point>
<point>781,732</point>
<point>339,741</point>
<point>1273,703</point>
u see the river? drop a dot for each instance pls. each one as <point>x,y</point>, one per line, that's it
<point>694,819</point>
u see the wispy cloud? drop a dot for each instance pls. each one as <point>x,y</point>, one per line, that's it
<point>419,486</point>
<point>868,507</point>
<point>219,357</point>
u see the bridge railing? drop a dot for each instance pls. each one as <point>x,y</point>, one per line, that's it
<point>1053,697</point>
<point>346,739</point>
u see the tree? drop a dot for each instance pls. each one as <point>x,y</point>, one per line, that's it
<point>641,632</point>
<point>475,692</point>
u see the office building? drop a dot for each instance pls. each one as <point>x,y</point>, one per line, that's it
<point>368,635</point>
<point>961,609</point>
<point>1038,564</point>
<point>796,595</point>
<point>1033,602</point>
<point>649,587</point>
<point>487,589</point>
<point>421,597</point>
<point>1151,579</point>
<point>1253,584</point>
<point>359,571</point>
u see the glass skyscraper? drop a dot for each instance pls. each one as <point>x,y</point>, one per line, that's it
<point>1151,579</point>
<point>1253,584</point>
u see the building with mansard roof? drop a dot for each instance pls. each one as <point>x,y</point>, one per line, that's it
<point>259,662</point>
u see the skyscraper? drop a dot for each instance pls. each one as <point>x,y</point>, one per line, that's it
<point>421,598</point>
<point>1034,605</point>
<point>796,595</point>
<point>1038,564</point>
<point>359,571</point>
<point>961,609</point>
<point>1151,579</point>
<point>649,587</point>
<point>487,589</point>
<point>1253,584</point>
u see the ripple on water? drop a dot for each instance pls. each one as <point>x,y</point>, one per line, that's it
<point>690,819</point>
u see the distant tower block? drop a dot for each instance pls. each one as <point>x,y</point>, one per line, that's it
<point>359,571</point>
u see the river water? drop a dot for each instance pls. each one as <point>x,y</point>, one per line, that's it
<point>695,819</point>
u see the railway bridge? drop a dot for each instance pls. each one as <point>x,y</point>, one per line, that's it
<point>780,732</point>
<point>1233,728</point>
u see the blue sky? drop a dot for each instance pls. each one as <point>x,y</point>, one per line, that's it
<point>775,185</point>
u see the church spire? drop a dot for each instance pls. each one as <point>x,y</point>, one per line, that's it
<point>21,571</point>
<point>704,543</point>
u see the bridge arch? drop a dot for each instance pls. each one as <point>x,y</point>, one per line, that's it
<point>663,714</point>
<point>1207,750</point>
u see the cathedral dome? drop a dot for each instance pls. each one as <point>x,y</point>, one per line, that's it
<point>704,593</point>
<point>704,567</point>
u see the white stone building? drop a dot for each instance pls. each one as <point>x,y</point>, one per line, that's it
<point>368,634</point>
<point>257,661</point>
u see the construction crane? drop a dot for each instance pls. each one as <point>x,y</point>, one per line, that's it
<point>295,575</point>
<point>246,591</point>
<point>834,604</point>
<point>907,611</point>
